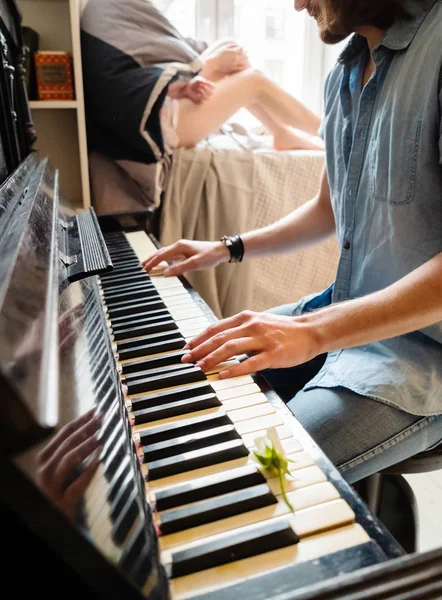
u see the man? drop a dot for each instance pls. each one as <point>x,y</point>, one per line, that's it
<point>361,363</point>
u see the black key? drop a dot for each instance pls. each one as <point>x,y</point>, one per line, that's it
<point>167,380</point>
<point>153,362</point>
<point>139,293</point>
<point>207,487</point>
<point>133,276</point>
<point>149,314</point>
<point>149,327</point>
<point>140,319</point>
<point>126,287</point>
<point>138,364</point>
<point>171,395</point>
<point>126,519</point>
<point>186,443</point>
<point>121,497</point>
<point>173,430</point>
<point>132,308</point>
<point>215,509</point>
<point>151,372</point>
<point>237,546</point>
<point>175,409</point>
<point>182,463</point>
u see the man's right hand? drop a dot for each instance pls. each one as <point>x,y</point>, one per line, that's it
<point>189,255</point>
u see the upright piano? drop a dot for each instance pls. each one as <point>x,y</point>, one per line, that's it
<point>125,473</point>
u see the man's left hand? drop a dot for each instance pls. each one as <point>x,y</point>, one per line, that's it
<point>270,341</point>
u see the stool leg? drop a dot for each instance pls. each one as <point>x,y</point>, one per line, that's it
<point>374,492</point>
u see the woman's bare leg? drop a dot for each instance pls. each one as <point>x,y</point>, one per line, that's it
<point>284,136</point>
<point>245,89</point>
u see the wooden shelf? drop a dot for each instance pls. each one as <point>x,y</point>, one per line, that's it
<point>37,104</point>
<point>61,124</point>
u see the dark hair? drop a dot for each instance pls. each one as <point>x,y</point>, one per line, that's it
<point>344,16</point>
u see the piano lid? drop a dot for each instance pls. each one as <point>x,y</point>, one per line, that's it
<point>41,251</point>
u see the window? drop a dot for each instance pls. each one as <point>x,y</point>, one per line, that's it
<point>274,24</point>
<point>280,41</point>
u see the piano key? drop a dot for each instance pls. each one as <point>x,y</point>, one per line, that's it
<point>150,314</point>
<point>171,409</point>
<point>127,286</point>
<point>283,432</point>
<point>192,441</point>
<point>134,276</point>
<point>221,384</point>
<point>237,546</point>
<point>207,487</point>
<point>245,401</point>
<point>151,362</point>
<point>142,292</point>
<point>124,309</point>
<point>183,588</point>
<point>181,392</point>
<point>145,328</point>
<point>189,461</point>
<point>160,370</point>
<point>215,508</point>
<point>160,326</point>
<point>308,497</point>
<point>157,382</point>
<point>143,246</point>
<point>236,391</point>
<point>197,423</point>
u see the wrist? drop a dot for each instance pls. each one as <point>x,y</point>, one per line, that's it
<point>222,252</point>
<point>317,332</point>
<point>235,246</point>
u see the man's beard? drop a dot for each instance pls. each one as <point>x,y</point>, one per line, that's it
<point>327,35</point>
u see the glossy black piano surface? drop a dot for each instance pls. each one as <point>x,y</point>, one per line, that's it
<point>125,474</point>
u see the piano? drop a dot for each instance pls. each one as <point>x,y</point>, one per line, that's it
<point>125,473</point>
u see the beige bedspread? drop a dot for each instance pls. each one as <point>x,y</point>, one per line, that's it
<point>225,186</point>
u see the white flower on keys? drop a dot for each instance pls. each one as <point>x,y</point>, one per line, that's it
<point>270,454</point>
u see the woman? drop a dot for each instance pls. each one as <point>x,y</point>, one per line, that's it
<point>148,92</point>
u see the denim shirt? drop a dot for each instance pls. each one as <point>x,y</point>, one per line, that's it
<point>385,178</point>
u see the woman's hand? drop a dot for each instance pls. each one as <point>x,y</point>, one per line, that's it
<point>225,59</point>
<point>199,90</point>
<point>272,341</point>
<point>191,256</point>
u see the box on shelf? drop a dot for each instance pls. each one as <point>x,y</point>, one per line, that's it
<point>54,72</point>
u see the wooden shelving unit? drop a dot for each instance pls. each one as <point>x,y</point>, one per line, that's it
<point>61,125</point>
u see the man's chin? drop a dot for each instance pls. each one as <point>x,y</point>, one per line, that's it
<point>329,37</point>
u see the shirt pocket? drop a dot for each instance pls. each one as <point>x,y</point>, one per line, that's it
<point>393,158</point>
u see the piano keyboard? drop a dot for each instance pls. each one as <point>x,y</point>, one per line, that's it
<point>220,518</point>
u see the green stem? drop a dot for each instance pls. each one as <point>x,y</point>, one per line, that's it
<point>284,495</point>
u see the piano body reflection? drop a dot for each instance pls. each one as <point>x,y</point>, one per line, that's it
<point>124,473</point>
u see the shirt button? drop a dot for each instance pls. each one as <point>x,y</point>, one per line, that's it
<point>346,245</point>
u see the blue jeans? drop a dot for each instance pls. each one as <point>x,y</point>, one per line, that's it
<point>359,435</point>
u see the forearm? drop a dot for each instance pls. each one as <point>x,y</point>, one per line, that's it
<point>412,303</point>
